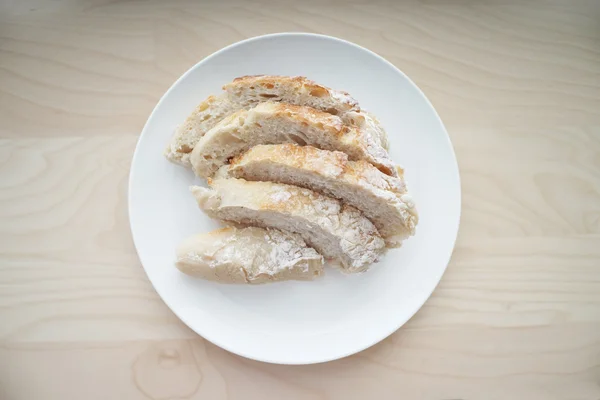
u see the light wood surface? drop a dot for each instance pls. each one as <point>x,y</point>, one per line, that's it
<point>517,315</point>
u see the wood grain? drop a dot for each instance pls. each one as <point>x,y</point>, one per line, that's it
<point>517,315</point>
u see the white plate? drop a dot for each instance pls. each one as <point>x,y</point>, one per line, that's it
<point>299,322</point>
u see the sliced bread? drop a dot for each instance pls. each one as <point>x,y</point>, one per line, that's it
<point>335,230</point>
<point>246,92</point>
<point>248,255</point>
<point>300,91</point>
<point>274,123</point>
<point>382,198</point>
<point>297,90</point>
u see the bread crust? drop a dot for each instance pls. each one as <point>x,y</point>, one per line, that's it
<point>334,229</point>
<point>248,255</point>
<point>266,85</point>
<point>248,91</point>
<point>276,123</point>
<point>382,198</point>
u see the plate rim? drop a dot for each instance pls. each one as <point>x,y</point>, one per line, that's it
<point>402,321</point>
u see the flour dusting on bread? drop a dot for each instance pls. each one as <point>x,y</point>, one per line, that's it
<point>299,172</point>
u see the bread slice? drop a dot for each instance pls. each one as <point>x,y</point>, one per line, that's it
<point>273,123</point>
<point>335,230</point>
<point>382,198</point>
<point>300,91</point>
<point>246,92</point>
<point>297,90</point>
<point>204,117</point>
<point>248,255</point>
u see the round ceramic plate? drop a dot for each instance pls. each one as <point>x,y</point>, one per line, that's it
<point>299,322</point>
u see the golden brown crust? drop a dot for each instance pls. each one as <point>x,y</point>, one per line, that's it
<point>297,82</point>
<point>334,126</point>
<point>321,130</point>
<point>265,79</point>
<point>301,157</point>
<point>380,197</point>
<point>332,163</point>
<point>309,116</point>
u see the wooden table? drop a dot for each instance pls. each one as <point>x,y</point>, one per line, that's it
<point>517,315</point>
